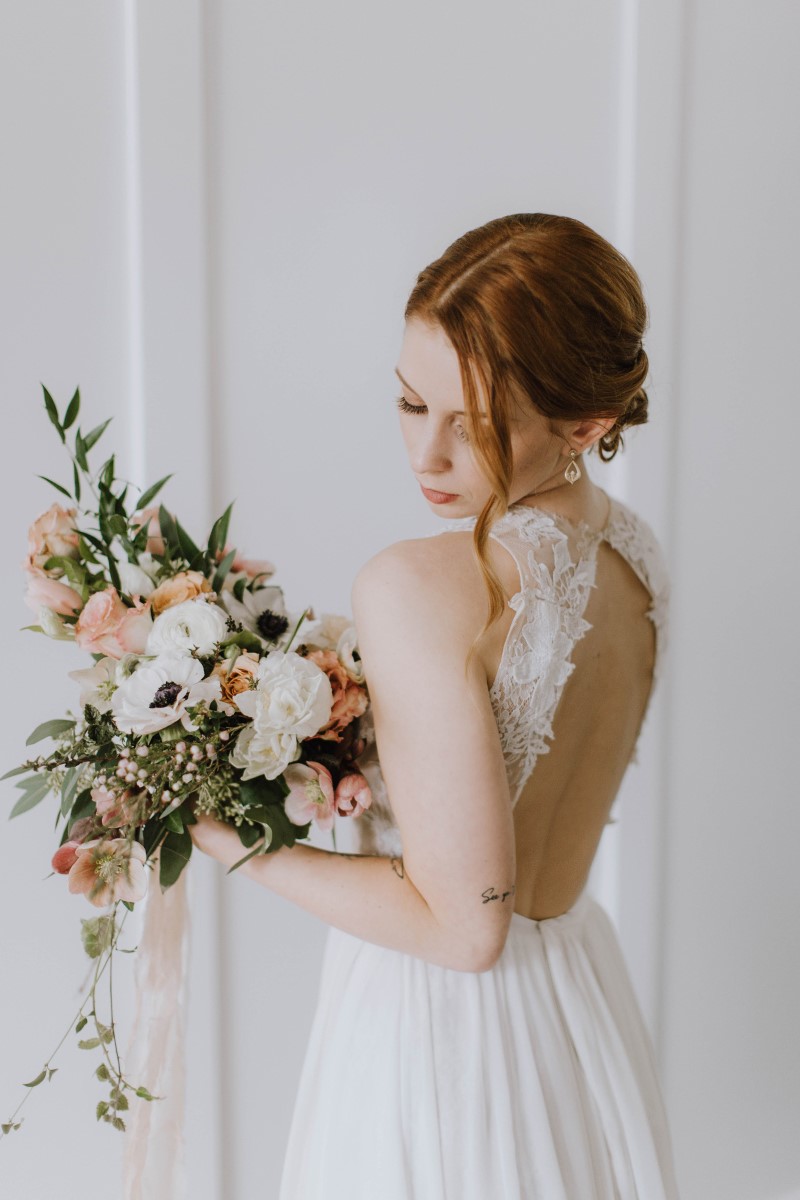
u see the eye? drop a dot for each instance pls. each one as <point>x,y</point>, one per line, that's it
<point>404,406</point>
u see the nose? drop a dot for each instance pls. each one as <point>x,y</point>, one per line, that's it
<point>427,453</point>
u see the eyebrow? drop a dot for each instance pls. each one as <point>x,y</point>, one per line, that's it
<point>458,412</point>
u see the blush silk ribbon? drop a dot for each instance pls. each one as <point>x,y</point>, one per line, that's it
<point>154,1153</point>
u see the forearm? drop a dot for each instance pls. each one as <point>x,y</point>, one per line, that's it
<point>365,895</point>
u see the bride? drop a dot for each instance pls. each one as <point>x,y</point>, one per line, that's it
<point>477,1036</point>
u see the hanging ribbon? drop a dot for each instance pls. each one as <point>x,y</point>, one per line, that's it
<point>154,1157</point>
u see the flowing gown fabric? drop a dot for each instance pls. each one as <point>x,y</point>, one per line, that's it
<point>535,1079</point>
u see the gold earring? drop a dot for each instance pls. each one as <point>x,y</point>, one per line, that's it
<point>573,472</point>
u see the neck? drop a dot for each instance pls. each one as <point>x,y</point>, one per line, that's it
<point>556,483</point>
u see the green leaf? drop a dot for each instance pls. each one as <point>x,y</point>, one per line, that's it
<point>143,1092</point>
<point>81,1024</point>
<point>188,548</point>
<point>80,452</point>
<point>174,821</point>
<point>245,639</point>
<point>39,1079</point>
<point>259,791</point>
<point>257,849</point>
<point>102,1108</point>
<point>52,412</point>
<point>6,1128</point>
<point>15,771</point>
<point>96,935</point>
<point>102,1072</point>
<point>96,433</point>
<point>219,532</point>
<point>151,493</point>
<point>128,904</point>
<point>49,729</point>
<point>222,570</point>
<point>86,550</point>
<point>89,1043</point>
<point>68,786</point>
<point>76,482</point>
<point>238,589</point>
<point>58,486</point>
<point>176,850</point>
<point>122,1103</point>
<point>118,1123</point>
<point>107,473</point>
<point>72,409</point>
<point>168,530</point>
<point>31,798</point>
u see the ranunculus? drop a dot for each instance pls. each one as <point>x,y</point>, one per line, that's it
<point>109,869</point>
<point>99,622</point>
<point>268,755</point>
<point>98,683</point>
<point>43,591</point>
<point>160,692</point>
<point>64,857</point>
<point>194,625</point>
<point>155,542</point>
<point>349,656</point>
<point>237,676</point>
<point>349,699</point>
<point>183,586</point>
<point>311,795</point>
<point>262,612</point>
<point>292,695</point>
<point>52,533</point>
<point>353,795</point>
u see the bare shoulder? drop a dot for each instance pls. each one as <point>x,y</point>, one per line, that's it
<point>434,578</point>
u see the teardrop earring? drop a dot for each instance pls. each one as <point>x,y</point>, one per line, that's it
<point>573,472</point>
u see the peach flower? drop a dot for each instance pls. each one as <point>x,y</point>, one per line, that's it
<point>52,533</point>
<point>238,676</point>
<point>311,796</point>
<point>43,591</point>
<point>155,542</point>
<point>353,795</point>
<point>109,869</point>
<point>349,699</point>
<point>99,623</point>
<point>183,586</point>
<point>134,628</point>
<point>64,858</point>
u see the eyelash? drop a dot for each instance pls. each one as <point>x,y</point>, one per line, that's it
<point>405,407</point>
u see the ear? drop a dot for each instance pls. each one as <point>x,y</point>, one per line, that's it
<point>582,435</point>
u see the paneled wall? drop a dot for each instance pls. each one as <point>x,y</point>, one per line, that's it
<point>213,215</point>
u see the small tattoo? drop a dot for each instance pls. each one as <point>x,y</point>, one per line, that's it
<point>398,868</point>
<point>491,894</point>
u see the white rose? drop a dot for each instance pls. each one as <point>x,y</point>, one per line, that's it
<point>292,695</point>
<point>195,624</point>
<point>268,756</point>
<point>158,694</point>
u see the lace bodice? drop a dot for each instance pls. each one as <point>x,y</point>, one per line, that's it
<point>556,560</point>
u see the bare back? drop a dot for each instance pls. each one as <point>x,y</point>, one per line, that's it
<point>571,666</point>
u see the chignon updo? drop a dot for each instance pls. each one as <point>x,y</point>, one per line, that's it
<point>547,312</point>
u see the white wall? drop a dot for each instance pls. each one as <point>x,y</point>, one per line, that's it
<point>213,216</point>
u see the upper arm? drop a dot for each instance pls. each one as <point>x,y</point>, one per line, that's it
<point>439,749</point>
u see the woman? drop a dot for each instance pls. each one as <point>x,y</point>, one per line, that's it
<point>477,1035</point>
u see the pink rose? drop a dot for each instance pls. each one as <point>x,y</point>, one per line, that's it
<point>155,542</point>
<point>310,794</point>
<point>349,698</point>
<point>64,858</point>
<point>99,623</point>
<point>353,795</point>
<point>41,590</point>
<point>135,627</point>
<point>52,533</point>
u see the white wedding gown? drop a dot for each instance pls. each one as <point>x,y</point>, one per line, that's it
<point>536,1079</point>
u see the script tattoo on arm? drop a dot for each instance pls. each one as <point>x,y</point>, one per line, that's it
<point>492,894</point>
<point>398,868</point>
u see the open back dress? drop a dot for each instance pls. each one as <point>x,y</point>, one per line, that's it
<point>535,1079</point>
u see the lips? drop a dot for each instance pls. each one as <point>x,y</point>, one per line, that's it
<point>438,497</point>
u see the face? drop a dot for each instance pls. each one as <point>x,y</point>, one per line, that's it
<point>433,423</point>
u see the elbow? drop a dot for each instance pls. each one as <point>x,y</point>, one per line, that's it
<point>477,959</point>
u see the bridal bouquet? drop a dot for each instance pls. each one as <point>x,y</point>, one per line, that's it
<point>203,696</point>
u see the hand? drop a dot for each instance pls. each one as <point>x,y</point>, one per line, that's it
<point>216,838</point>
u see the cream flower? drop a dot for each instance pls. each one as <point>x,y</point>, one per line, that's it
<point>197,624</point>
<point>98,683</point>
<point>268,755</point>
<point>263,611</point>
<point>292,695</point>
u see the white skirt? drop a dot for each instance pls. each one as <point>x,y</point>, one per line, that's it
<point>535,1080</point>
